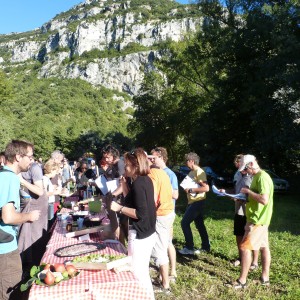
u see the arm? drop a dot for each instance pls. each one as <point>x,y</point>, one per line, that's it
<point>204,187</point>
<point>175,194</point>
<point>260,198</point>
<point>36,188</point>
<point>12,217</point>
<point>130,212</point>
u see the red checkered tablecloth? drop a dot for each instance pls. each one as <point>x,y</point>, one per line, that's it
<point>88,285</point>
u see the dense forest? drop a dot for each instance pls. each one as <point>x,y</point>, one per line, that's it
<point>234,87</point>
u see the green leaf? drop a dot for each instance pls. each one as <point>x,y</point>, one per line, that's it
<point>28,284</point>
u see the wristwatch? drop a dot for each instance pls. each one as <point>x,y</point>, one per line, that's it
<point>190,191</point>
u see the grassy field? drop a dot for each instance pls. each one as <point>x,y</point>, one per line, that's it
<point>205,276</point>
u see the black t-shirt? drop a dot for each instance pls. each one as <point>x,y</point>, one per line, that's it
<point>141,197</point>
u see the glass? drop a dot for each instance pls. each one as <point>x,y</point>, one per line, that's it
<point>31,157</point>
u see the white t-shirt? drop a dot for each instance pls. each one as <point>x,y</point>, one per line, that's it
<point>48,186</point>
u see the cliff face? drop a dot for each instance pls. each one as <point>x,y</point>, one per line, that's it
<point>109,43</point>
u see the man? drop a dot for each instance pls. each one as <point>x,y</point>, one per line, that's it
<point>160,159</point>
<point>259,211</point>
<point>164,221</point>
<point>32,236</point>
<point>195,210</point>
<point>241,179</point>
<point>116,166</point>
<point>115,170</point>
<point>19,156</point>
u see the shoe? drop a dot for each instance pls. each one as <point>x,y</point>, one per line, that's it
<point>172,278</point>
<point>162,290</point>
<point>253,267</point>
<point>186,251</point>
<point>199,251</point>
<point>238,285</point>
<point>264,282</point>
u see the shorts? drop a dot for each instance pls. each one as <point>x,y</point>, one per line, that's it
<point>239,225</point>
<point>256,237</point>
<point>163,227</point>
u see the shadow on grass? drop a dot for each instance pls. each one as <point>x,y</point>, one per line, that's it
<point>285,210</point>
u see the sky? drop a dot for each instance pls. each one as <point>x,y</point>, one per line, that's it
<point>26,15</point>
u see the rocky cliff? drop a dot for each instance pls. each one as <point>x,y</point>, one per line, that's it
<point>105,42</point>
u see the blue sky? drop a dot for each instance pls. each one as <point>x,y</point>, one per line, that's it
<point>25,15</point>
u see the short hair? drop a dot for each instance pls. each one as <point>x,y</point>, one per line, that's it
<point>162,151</point>
<point>16,147</point>
<point>139,161</point>
<point>50,166</point>
<point>238,158</point>
<point>193,156</point>
<point>56,153</point>
<point>2,157</point>
<point>109,149</point>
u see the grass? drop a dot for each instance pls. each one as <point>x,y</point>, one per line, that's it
<point>204,276</point>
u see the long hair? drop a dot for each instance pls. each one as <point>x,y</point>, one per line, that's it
<point>139,161</point>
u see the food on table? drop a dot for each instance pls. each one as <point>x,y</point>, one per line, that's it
<point>42,275</point>
<point>49,267</point>
<point>59,267</point>
<point>71,270</point>
<point>78,249</point>
<point>49,278</point>
<point>96,261</point>
<point>97,258</point>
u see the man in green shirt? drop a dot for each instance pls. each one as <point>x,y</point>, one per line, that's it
<point>259,209</point>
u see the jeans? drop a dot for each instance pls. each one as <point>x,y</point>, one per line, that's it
<point>194,212</point>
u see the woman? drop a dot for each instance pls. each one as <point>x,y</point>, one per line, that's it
<point>140,208</point>
<point>50,170</point>
<point>95,168</point>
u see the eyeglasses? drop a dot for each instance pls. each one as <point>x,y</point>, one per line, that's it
<point>31,157</point>
<point>246,167</point>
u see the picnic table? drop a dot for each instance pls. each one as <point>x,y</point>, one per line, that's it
<point>88,284</point>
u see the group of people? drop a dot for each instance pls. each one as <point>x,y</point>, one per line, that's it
<point>143,210</point>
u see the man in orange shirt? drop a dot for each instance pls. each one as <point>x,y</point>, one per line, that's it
<point>164,221</point>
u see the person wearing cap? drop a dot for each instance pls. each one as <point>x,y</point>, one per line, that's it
<point>195,209</point>
<point>259,209</point>
<point>241,179</point>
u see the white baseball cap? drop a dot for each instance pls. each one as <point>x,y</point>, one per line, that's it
<point>248,158</point>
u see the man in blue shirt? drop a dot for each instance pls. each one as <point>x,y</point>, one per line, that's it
<point>19,156</point>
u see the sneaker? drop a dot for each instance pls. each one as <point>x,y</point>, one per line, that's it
<point>199,251</point>
<point>186,251</point>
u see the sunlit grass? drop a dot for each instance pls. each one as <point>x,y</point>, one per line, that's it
<point>204,277</point>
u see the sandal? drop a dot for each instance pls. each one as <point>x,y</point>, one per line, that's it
<point>253,267</point>
<point>264,282</point>
<point>238,285</point>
